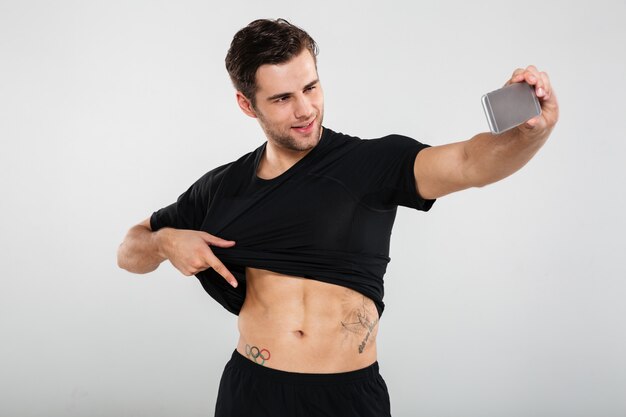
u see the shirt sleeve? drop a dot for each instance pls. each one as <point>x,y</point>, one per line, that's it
<point>189,210</point>
<point>390,169</point>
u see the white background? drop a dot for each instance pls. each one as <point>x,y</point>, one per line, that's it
<point>502,301</point>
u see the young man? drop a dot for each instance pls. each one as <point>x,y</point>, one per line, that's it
<point>294,236</point>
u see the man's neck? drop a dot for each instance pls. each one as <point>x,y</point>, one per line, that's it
<point>276,160</point>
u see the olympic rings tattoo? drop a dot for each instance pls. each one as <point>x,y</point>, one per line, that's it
<point>255,353</point>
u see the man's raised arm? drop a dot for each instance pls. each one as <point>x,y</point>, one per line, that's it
<point>487,158</point>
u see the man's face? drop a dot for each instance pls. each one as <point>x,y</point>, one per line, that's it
<point>290,103</point>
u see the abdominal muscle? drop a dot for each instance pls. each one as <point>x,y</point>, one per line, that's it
<point>302,325</point>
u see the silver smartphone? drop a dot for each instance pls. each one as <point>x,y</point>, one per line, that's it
<point>510,106</point>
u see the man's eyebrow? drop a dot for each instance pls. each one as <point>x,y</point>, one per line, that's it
<point>312,83</point>
<point>281,95</point>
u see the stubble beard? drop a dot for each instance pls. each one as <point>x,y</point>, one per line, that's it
<point>286,140</point>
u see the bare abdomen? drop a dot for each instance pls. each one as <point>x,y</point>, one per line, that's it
<point>303,325</point>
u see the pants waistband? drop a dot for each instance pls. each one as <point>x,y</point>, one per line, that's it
<point>243,363</point>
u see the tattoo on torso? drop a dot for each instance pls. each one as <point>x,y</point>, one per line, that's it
<point>360,321</point>
<point>257,355</point>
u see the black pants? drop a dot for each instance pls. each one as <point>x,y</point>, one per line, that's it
<point>249,389</point>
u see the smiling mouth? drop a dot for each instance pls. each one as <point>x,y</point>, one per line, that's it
<point>306,126</point>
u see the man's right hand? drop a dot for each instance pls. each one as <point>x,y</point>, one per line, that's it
<point>189,251</point>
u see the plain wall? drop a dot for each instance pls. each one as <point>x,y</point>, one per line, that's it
<point>506,300</point>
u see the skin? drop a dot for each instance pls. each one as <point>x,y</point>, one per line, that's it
<point>304,325</point>
<point>487,158</point>
<point>288,96</point>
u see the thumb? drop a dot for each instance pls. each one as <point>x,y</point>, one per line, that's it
<point>217,241</point>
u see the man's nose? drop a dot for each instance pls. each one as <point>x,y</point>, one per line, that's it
<point>303,107</point>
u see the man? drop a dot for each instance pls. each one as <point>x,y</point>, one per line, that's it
<point>294,236</point>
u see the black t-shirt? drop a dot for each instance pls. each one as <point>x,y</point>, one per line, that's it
<point>328,217</point>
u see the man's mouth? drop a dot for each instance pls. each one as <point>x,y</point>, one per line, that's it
<point>304,128</point>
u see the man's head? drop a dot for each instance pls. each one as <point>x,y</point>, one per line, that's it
<point>264,42</point>
<point>273,67</point>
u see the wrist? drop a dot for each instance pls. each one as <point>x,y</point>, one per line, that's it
<point>162,240</point>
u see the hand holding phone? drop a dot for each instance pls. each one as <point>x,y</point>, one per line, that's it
<point>510,106</point>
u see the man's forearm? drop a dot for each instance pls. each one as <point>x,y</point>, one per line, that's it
<point>142,250</point>
<point>490,158</point>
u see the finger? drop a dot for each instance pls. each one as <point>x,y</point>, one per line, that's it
<point>531,77</point>
<point>532,69</point>
<point>219,267</point>
<point>537,79</point>
<point>532,123</point>
<point>542,86</point>
<point>217,241</point>
<point>547,86</point>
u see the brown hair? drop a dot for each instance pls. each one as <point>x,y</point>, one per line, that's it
<point>264,42</point>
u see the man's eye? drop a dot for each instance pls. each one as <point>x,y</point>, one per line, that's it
<point>310,88</point>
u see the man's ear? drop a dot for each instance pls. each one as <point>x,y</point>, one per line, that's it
<point>245,105</point>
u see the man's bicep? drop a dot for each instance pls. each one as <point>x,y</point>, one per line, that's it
<point>439,170</point>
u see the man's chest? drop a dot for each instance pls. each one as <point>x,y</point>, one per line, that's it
<point>307,211</point>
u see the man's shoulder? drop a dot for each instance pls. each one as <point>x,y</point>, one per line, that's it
<point>371,140</point>
<point>374,144</point>
<point>335,135</point>
<point>221,171</point>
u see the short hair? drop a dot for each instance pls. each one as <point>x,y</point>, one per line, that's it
<point>264,41</point>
